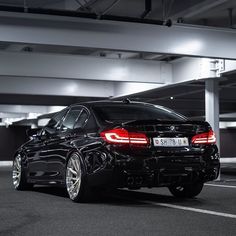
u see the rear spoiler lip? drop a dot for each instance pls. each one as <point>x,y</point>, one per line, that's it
<point>160,122</point>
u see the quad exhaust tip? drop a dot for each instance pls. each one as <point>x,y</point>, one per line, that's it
<point>134,181</point>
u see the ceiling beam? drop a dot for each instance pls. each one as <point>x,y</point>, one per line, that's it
<point>229,66</point>
<point>47,100</point>
<point>187,69</point>
<point>56,87</point>
<point>68,87</point>
<point>83,67</point>
<point>124,89</point>
<point>197,9</point>
<point>114,35</point>
<point>16,110</point>
<point>179,105</point>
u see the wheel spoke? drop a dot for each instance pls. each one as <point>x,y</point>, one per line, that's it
<point>72,171</point>
<point>77,166</point>
<point>16,173</point>
<point>17,163</point>
<point>74,184</point>
<point>73,187</point>
<point>15,176</point>
<point>73,177</point>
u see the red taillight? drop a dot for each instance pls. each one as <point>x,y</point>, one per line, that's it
<point>122,136</point>
<point>204,138</point>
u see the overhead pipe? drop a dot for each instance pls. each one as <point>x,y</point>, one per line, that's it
<point>131,19</point>
<point>148,8</point>
<point>230,12</point>
<point>85,15</point>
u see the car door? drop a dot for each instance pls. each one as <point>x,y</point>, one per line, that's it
<point>36,150</point>
<point>59,146</point>
<point>36,165</point>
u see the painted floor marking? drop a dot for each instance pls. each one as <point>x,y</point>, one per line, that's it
<point>228,160</point>
<point>216,213</point>
<point>5,163</point>
<point>220,185</point>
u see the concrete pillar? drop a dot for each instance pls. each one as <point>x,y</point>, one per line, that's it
<point>212,107</point>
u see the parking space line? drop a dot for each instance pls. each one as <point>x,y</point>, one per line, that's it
<point>193,209</point>
<point>5,163</point>
<point>219,185</point>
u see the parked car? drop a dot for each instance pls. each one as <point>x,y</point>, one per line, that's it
<point>118,145</point>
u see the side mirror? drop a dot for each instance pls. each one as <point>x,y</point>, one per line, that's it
<point>32,133</point>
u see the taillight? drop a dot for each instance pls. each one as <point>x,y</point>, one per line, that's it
<point>204,138</point>
<point>122,136</point>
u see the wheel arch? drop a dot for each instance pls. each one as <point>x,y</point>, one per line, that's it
<point>23,157</point>
<point>77,151</point>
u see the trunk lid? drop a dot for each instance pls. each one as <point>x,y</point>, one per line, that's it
<point>175,130</point>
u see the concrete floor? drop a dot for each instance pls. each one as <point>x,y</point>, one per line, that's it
<point>48,211</point>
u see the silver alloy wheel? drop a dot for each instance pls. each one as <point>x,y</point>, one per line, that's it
<point>16,173</point>
<point>73,176</point>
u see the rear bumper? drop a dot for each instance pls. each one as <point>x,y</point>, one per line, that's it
<point>166,175</point>
<point>136,172</point>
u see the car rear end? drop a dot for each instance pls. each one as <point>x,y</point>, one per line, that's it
<point>160,152</point>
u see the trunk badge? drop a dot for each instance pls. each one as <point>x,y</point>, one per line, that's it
<point>172,128</point>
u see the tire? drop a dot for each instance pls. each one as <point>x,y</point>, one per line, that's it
<point>76,179</point>
<point>186,191</point>
<point>19,178</point>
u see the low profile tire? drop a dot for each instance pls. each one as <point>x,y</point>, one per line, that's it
<point>76,182</point>
<point>186,191</point>
<point>19,178</point>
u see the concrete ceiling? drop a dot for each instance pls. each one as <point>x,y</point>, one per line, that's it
<point>189,98</point>
<point>200,12</point>
<point>54,54</point>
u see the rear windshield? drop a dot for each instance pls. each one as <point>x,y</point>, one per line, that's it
<point>128,112</point>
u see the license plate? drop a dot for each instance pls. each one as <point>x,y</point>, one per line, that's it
<point>170,142</point>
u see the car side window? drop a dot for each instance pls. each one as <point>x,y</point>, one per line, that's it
<point>71,118</point>
<point>80,122</point>
<point>55,122</point>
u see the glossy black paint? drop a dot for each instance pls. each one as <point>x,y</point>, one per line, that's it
<point>45,155</point>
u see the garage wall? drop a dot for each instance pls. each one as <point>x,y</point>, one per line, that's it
<point>228,142</point>
<point>10,139</point>
<point>13,137</point>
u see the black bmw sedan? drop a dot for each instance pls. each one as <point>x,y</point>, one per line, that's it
<point>118,145</point>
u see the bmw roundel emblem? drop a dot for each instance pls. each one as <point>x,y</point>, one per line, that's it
<point>172,128</point>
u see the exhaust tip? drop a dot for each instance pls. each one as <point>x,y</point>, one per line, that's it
<point>130,181</point>
<point>138,180</point>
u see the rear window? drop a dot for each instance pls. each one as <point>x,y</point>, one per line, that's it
<point>128,112</point>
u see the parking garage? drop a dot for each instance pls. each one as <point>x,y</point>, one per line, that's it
<point>176,54</point>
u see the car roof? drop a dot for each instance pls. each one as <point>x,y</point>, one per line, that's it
<point>108,102</point>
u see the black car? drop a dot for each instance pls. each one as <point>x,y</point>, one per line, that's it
<point>118,145</point>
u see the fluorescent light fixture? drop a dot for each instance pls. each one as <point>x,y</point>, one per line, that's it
<point>33,115</point>
<point>55,108</point>
<point>43,122</point>
<point>9,121</point>
<point>227,124</point>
